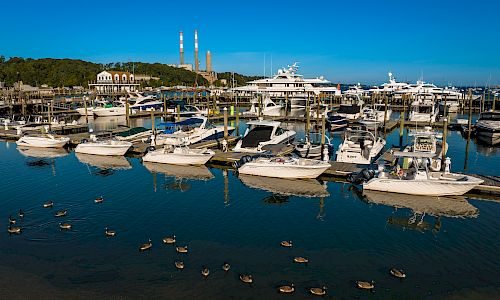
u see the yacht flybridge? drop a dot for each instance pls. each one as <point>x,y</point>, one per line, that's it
<point>287,83</point>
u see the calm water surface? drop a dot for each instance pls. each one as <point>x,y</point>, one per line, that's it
<point>448,249</point>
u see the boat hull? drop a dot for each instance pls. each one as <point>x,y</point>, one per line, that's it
<point>107,112</point>
<point>42,142</point>
<point>177,158</point>
<point>421,187</point>
<point>103,149</point>
<point>282,171</point>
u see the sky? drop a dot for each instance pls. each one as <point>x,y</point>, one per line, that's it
<point>445,42</point>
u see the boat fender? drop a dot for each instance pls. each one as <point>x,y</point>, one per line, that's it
<point>367,174</point>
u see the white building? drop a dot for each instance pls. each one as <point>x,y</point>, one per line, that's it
<point>114,82</point>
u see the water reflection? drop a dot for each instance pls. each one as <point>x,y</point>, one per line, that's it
<point>180,172</point>
<point>287,187</point>
<point>43,152</point>
<point>456,206</point>
<point>104,162</point>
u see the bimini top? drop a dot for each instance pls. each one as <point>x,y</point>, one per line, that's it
<point>264,123</point>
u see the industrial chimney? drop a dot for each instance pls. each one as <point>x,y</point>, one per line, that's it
<point>181,49</point>
<point>196,61</point>
<point>209,62</point>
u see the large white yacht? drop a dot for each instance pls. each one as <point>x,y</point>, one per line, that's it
<point>389,87</point>
<point>287,83</point>
<point>488,127</point>
<point>423,109</point>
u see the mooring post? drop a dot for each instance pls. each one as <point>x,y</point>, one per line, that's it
<point>178,113</point>
<point>445,133</point>
<point>127,112</point>
<point>86,111</point>
<point>469,123</point>
<point>402,123</point>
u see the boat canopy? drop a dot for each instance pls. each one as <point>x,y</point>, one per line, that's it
<point>349,109</point>
<point>414,154</point>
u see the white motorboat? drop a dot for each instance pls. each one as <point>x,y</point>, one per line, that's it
<point>286,186</point>
<point>104,162</point>
<point>299,100</point>
<point>115,109</point>
<point>351,108</point>
<point>374,117</point>
<point>311,147</point>
<point>268,107</point>
<point>104,147</point>
<point>191,172</point>
<point>140,102</point>
<point>423,110</point>
<point>282,167</point>
<point>488,127</point>
<point>189,131</point>
<point>261,133</point>
<point>179,156</point>
<point>392,86</point>
<point>356,90</point>
<point>43,141</point>
<point>359,147</point>
<point>81,111</point>
<point>428,141</point>
<point>418,180</point>
<point>136,134</point>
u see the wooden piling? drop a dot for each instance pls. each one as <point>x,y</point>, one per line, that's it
<point>402,122</point>
<point>86,111</point>
<point>127,112</point>
<point>225,124</point>
<point>153,121</point>
<point>165,108</point>
<point>178,113</point>
<point>469,122</point>
<point>445,133</point>
<point>385,114</point>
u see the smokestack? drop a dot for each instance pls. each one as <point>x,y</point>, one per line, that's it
<point>196,62</point>
<point>181,49</point>
<point>209,61</point>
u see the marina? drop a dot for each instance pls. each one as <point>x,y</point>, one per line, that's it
<point>249,150</point>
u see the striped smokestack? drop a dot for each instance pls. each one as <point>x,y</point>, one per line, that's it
<point>181,47</point>
<point>196,62</point>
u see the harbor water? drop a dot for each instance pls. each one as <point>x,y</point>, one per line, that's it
<point>447,247</point>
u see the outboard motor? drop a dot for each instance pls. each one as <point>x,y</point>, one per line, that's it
<point>360,177</point>
<point>242,161</point>
<point>150,149</point>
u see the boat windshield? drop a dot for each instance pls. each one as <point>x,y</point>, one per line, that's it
<point>490,116</point>
<point>424,143</point>
<point>349,109</point>
<point>256,135</point>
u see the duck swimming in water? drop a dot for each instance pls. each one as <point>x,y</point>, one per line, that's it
<point>226,267</point>
<point>182,249</point>
<point>12,220</point>
<point>286,243</point>
<point>61,213</point>
<point>205,271</point>
<point>48,204</point>
<point>14,230</point>
<point>246,278</point>
<point>366,285</point>
<point>300,260</point>
<point>169,240</point>
<point>146,246</point>
<point>21,213</point>
<point>65,226</point>
<point>318,291</point>
<point>287,289</point>
<point>398,273</point>
<point>99,200</point>
<point>179,265</point>
<point>108,232</point>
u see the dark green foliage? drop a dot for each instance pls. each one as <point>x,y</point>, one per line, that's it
<point>71,72</point>
<point>239,79</point>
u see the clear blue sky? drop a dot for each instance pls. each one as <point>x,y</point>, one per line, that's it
<point>346,41</point>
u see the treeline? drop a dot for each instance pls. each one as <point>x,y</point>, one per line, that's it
<point>74,72</point>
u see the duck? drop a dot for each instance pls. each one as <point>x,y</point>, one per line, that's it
<point>108,232</point>
<point>246,278</point>
<point>366,285</point>
<point>286,243</point>
<point>146,246</point>
<point>61,213</point>
<point>179,265</point>
<point>182,249</point>
<point>226,266</point>
<point>169,240</point>
<point>287,289</point>
<point>48,204</point>
<point>99,200</point>
<point>65,226</point>
<point>16,230</point>
<point>318,291</point>
<point>301,260</point>
<point>12,220</point>
<point>21,213</point>
<point>205,271</point>
<point>398,273</point>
